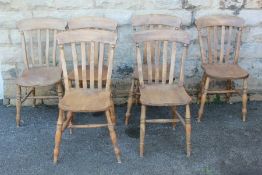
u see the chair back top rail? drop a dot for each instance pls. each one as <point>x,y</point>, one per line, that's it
<point>156,19</point>
<point>82,39</point>
<point>92,22</point>
<point>161,68</point>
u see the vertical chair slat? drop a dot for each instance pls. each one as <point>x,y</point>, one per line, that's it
<point>139,65</point>
<point>31,46</point>
<point>157,61</point>
<point>238,41</point>
<point>100,65</point>
<point>209,45</point>
<point>164,68</point>
<point>149,63</point>
<point>96,53</point>
<point>83,53</point>
<point>54,48</point>
<point>24,50</point>
<point>173,63</point>
<point>39,46</point>
<point>222,44</point>
<point>63,62</point>
<point>88,45</point>
<point>92,65</point>
<point>229,37</point>
<point>145,53</point>
<point>74,54</point>
<point>215,43</point>
<point>47,47</point>
<point>181,76</point>
<point>110,66</point>
<point>203,52</point>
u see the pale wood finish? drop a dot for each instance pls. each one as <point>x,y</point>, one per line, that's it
<point>35,35</point>
<point>86,97</point>
<point>144,23</point>
<point>220,39</point>
<point>167,92</point>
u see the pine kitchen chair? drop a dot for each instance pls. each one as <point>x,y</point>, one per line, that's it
<point>142,23</point>
<point>164,91</point>
<point>39,54</point>
<point>220,39</point>
<point>86,98</point>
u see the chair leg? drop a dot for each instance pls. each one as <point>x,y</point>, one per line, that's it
<point>70,115</point>
<point>58,134</point>
<point>59,90</point>
<point>33,94</point>
<point>18,105</point>
<point>142,129</point>
<point>203,100</point>
<point>202,84</point>
<point>113,136</point>
<point>188,130</point>
<point>129,102</point>
<point>229,87</point>
<point>244,100</point>
<point>112,112</point>
<point>174,116</point>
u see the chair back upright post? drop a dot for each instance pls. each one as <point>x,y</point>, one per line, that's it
<point>169,40</point>
<point>220,38</point>
<point>79,39</point>
<point>38,38</point>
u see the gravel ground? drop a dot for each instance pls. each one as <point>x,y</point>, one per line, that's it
<point>221,143</point>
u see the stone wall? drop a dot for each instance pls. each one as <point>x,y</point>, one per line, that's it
<point>122,11</point>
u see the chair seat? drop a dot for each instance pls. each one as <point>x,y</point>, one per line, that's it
<point>71,75</point>
<point>164,95</point>
<point>225,71</point>
<point>40,76</point>
<point>145,72</point>
<point>85,100</point>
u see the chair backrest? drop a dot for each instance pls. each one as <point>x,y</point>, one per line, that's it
<point>92,22</point>
<point>220,38</point>
<point>154,21</point>
<point>78,40</point>
<point>169,44</point>
<point>38,40</point>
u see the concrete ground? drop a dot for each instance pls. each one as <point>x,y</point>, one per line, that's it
<point>221,143</point>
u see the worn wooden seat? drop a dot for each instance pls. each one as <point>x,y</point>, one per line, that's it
<point>40,76</point>
<point>219,39</point>
<point>41,67</point>
<point>71,75</point>
<point>225,71</point>
<point>88,96</point>
<point>164,91</point>
<point>78,100</point>
<point>142,23</point>
<point>164,95</point>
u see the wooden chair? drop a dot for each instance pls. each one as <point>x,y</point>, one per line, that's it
<point>142,23</point>
<point>163,91</point>
<point>220,38</point>
<point>40,65</point>
<point>92,98</point>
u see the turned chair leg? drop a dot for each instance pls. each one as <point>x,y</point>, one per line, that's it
<point>71,116</point>
<point>203,100</point>
<point>188,130</point>
<point>113,136</point>
<point>244,100</point>
<point>58,134</point>
<point>60,90</point>
<point>18,105</point>
<point>201,89</point>
<point>142,129</point>
<point>112,112</point>
<point>229,87</point>
<point>174,116</point>
<point>129,102</point>
<point>33,94</point>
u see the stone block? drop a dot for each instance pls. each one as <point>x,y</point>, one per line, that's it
<point>4,37</point>
<point>117,4</point>
<point>160,4</point>
<point>251,17</point>
<point>231,4</point>
<point>76,4</point>
<point>198,3</point>
<point>8,19</point>
<point>11,54</point>
<point>252,34</point>
<point>253,4</point>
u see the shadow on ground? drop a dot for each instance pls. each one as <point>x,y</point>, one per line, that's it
<point>221,143</point>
